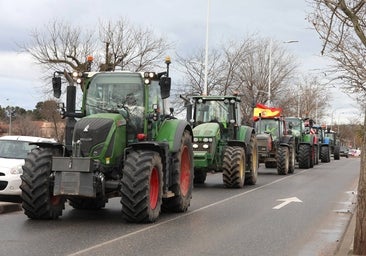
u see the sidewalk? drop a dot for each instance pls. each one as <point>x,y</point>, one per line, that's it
<point>346,244</point>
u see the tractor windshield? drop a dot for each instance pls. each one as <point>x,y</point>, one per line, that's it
<point>115,92</point>
<point>212,111</point>
<point>295,126</point>
<point>268,126</point>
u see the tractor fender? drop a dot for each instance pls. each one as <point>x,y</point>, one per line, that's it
<point>172,131</point>
<point>243,137</point>
<point>286,140</point>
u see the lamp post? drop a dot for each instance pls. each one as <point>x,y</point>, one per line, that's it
<point>270,67</point>
<point>206,50</point>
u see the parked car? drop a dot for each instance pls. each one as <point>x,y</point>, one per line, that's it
<point>344,151</point>
<point>355,152</point>
<point>13,151</point>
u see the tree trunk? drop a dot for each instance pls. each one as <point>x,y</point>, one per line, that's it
<point>359,243</point>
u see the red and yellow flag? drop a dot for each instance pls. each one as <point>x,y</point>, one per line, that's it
<point>265,112</point>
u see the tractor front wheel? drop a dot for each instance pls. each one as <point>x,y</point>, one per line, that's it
<point>182,173</point>
<point>37,196</point>
<point>142,186</point>
<point>233,168</point>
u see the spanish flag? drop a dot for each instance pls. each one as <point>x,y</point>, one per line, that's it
<point>265,112</point>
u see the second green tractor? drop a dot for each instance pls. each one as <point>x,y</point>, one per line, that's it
<point>220,142</point>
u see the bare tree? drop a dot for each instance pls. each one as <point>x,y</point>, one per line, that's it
<point>61,46</point>
<point>48,111</point>
<point>307,98</point>
<point>241,68</point>
<point>26,126</point>
<point>341,25</point>
<point>130,47</point>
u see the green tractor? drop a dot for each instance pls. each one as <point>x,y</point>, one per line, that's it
<point>122,143</point>
<point>334,143</point>
<point>276,148</point>
<point>220,142</point>
<point>306,143</point>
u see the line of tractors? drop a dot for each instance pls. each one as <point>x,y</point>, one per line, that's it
<point>282,140</point>
<point>125,142</point>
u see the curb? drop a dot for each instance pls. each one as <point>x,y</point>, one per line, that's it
<point>346,245</point>
<point>9,207</point>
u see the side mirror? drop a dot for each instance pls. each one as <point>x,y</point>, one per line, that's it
<point>56,84</point>
<point>165,84</point>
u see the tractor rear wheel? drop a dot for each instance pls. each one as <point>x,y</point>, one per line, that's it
<point>233,168</point>
<point>325,154</point>
<point>38,201</point>
<point>183,173</point>
<point>283,160</point>
<point>304,156</point>
<point>251,176</point>
<point>336,152</point>
<point>142,186</point>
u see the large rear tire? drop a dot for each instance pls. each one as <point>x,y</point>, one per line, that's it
<point>38,201</point>
<point>233,168</point>
<point>252,175</point>
<point>304,156</point>
<point>283,160</point>
<point>325,154</point>
<point>337,152</point>
<point>142,186</point>
<point>183,173</point>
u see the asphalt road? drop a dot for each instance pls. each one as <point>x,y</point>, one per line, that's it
<point>250,221</point>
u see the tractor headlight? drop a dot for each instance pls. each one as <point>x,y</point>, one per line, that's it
<point>205,146</point>
<point>195,145</point>
<point>195,139</point>
<point>205,140</point>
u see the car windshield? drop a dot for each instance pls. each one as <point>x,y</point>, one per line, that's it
<point>15,149</point>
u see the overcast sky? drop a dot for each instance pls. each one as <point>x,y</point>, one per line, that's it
<point>180,21</point>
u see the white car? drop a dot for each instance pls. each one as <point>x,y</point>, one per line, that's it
<point>13,151</point>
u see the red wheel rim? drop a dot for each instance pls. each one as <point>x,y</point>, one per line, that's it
<point>185,172</point>
<point>154,188</point>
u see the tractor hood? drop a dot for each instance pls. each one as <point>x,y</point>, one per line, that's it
<point>94,134</point>
<point>206,130</point>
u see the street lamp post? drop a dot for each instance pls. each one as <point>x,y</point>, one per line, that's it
<point>206,49</point>
<point>270,67</point>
